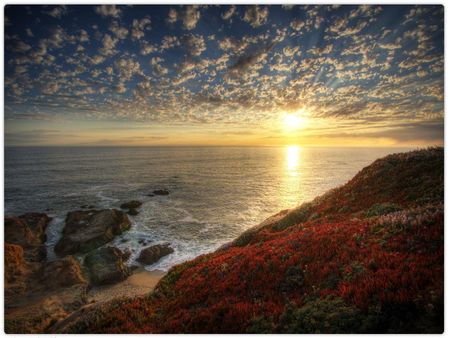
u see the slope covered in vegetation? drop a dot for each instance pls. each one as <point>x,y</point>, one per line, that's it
<point>365,257</point>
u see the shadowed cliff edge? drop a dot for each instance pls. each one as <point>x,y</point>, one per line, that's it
<point>365,257</point>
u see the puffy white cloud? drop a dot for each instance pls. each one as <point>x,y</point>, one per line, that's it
<point>84,36</point>
<point>108,10</point>
<point>256,15</point>
<point>189,16</point>
<point>127,68</point>
<point>172,16</point>
<point>158,69</point>
<point>139,27</point>
<point>195,44</point>
<point>297,24</point>
<point>109,44</point>
<point>148,49</point>
<point>58,11</point>
<point>227,15</point>
<point>119,31</point>
<point>18,46</point>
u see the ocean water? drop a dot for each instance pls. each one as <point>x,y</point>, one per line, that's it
<point>216,193</point>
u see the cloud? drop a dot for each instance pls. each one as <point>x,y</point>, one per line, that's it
<point>18,46</point>
<point>250,59</point>
<point>256,15</point>
<point>109,44</point>
<point>119,31</point>
<point>58,11</point>
<point>228,14</point>
<point>189,16</point>
<point>297,24</point>
<point>158,69</point>
<point>108,10</point>
<point>139,27</point>
<point>195,44</point>
<point>127,68</point>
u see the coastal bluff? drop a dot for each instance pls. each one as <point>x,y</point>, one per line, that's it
<point>365,257</point>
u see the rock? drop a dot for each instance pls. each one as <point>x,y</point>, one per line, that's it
<point>106,266</point>
<point>62,273</point>
<point>132,212</point>
<point>18,232</point>
<point>84,206</point>
<point>91,206</point>
<point>38,223</point>
<point>154,253</point>
<point>87,230</point>
<point>131,205</point>
<point>144,241</point>
<point>15,264</point>
<point>126,254</point>
<point>161,192</point>
<point>28,231</point>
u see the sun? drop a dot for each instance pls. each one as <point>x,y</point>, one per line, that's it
<point>294,122</point>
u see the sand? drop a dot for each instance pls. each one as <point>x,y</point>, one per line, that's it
<point>139,283</point>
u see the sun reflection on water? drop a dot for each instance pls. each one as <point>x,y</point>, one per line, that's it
<point>293,159</point>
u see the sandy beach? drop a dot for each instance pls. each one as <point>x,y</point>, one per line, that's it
<point>139,283</point>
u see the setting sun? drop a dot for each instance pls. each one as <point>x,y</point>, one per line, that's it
<point>293,122</point>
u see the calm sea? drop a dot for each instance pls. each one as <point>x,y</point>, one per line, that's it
<point>215,192</point>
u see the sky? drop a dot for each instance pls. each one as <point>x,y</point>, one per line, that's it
<point>108,75</point>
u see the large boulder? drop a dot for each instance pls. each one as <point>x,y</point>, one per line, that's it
<point>154,253</point>
<point>87,230</point>
<point>106,266</point>
<point>62,273</point>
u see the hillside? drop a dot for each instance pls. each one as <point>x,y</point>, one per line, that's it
<point>364,257</point>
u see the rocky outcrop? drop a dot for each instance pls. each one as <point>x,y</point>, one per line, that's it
<point>62,273</point>
<point>38,223</point>
<point>28,231</point>
<point>87,230</point>
<point>16,270</point>
<point>154,253</point>
<point>161,192</point>
<point>37,294</point>
<point>106,266</point>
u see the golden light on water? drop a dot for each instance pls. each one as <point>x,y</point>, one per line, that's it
<point>292,159</point>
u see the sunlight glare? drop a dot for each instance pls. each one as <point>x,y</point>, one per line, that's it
<point>292,157</point>
<point>294,121</point>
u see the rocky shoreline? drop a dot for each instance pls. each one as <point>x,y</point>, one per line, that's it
<point>39,293</point>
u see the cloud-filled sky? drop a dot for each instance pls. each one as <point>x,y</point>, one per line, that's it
<point>181,75</point>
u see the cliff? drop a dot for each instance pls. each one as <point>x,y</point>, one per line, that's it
<point>365,257</point>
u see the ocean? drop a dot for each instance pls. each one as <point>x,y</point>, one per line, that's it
<point>216,193</point>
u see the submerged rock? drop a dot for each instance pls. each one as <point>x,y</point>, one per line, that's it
<point>87,230</point>
<point>106,266</point>
<point>131,205</point>
<point>154,253</point>
<point>132,212</point>
<point>161,192</point>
